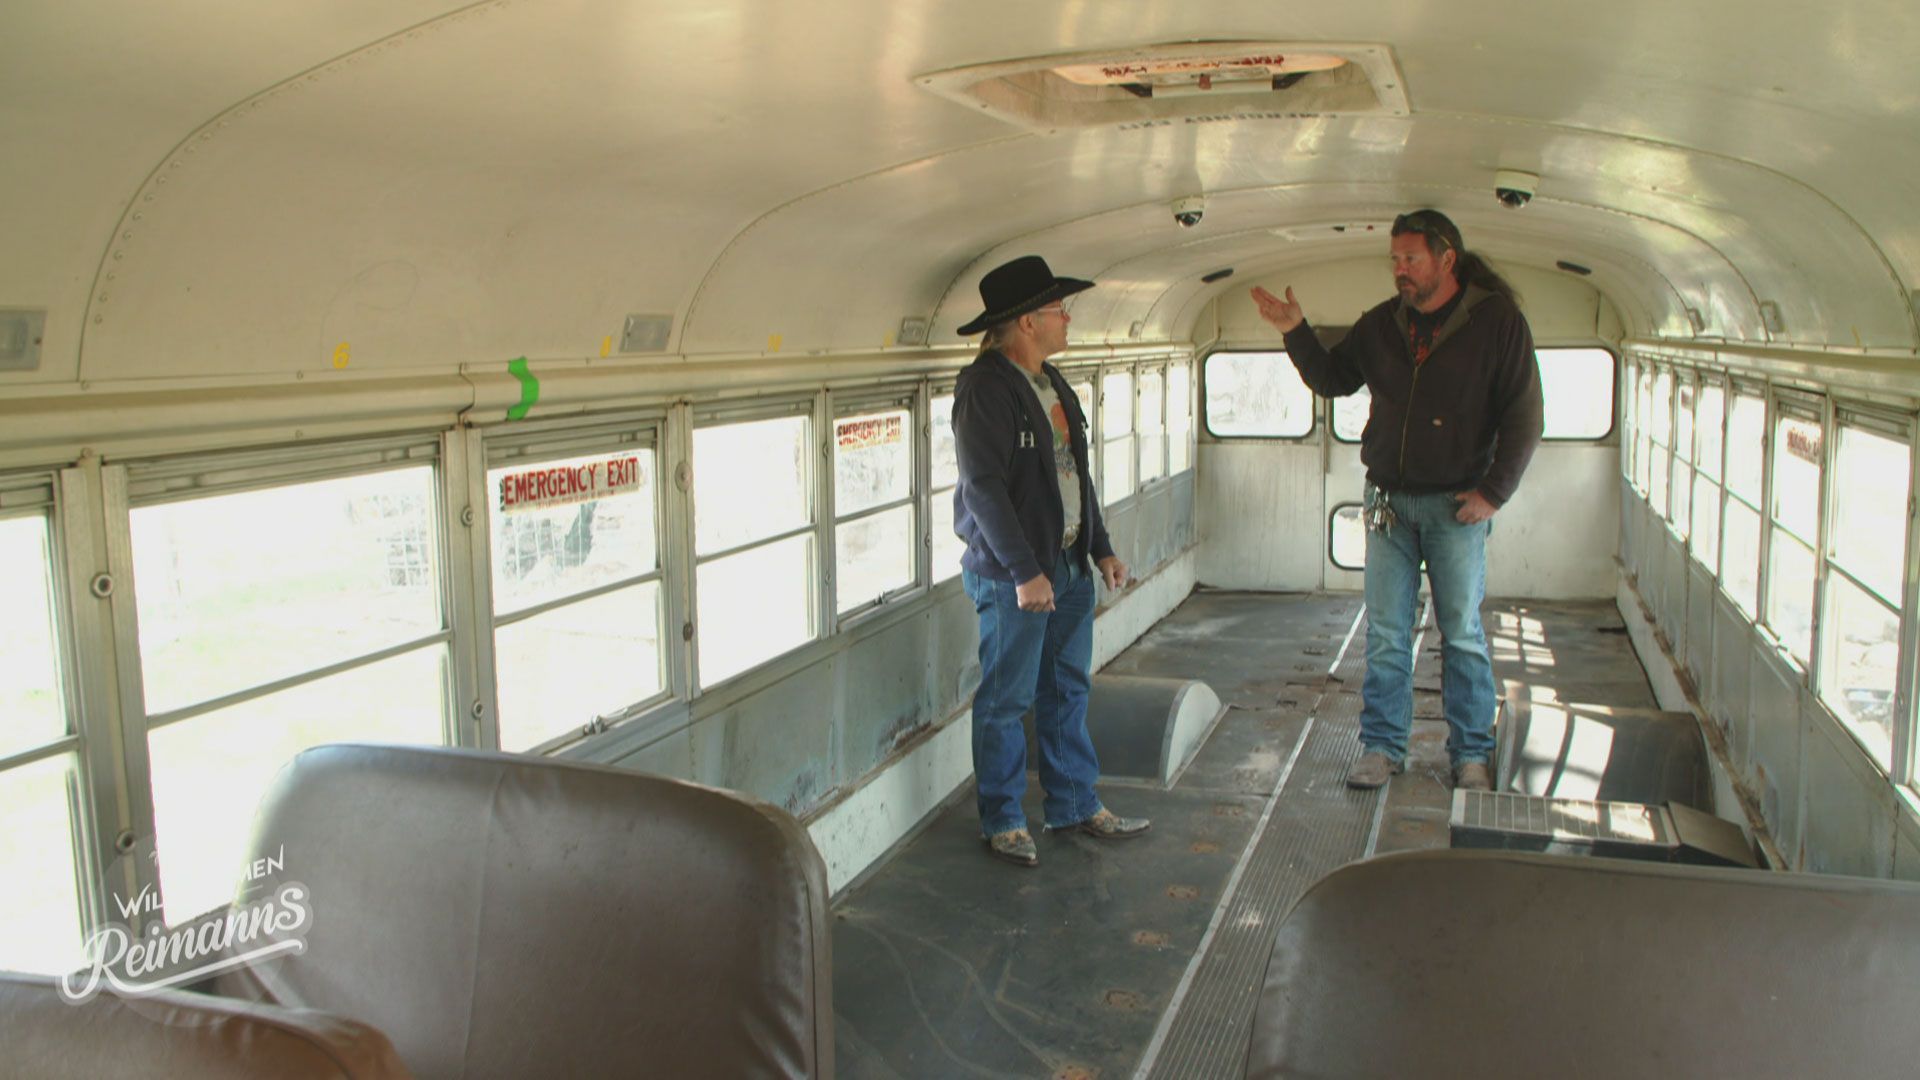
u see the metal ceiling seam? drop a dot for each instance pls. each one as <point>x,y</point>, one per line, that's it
<point>147,191</point>
<point>699,289</point>
<point>1900,287</point>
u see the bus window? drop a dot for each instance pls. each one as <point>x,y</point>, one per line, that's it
<point>1116,436</point>
<point>1860,620</point>
<point>1350,415</point>
<point>1740,531</point>
<point>272,620</point>
<point>873,506</point>
<point>946,548</point>
<point>39,925</point>
<point>1153,425</point>
<point>1796,528</point>
<point>1576,390</point>
<point>1642,421</point>
<point>1179,419</point>
<point>1347,538</point>
<point>1256,395</point>
<point>1660,439</point>
<point>753,542</point>
<point>1708,424</point>
<point>576,593</point>
<point>1680,494</point>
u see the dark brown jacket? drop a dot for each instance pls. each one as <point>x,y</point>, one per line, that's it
<point>1468,418</point>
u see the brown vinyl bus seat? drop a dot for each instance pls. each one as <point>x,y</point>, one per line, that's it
<point>1491,964</point>
<point>505,916</point>
<point>174,1033</point>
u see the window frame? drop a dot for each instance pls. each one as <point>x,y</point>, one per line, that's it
<point>1736,389</point>
<point>1206,414</point>
<point>1332,516</point>
<point>1140,372</point>
<point>522,444</point>
<point>1188,446</point>
<point>170,479</point>
<point>1132,435</point>
<point>816,528</point>
<point>895,397</point>
<point>1790,403</point>
<point>1897,427</point>
<point>932,391</point>
<point>1705,379</point>
<point>54,496</point>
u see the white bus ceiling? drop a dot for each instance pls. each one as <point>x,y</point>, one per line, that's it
<point>221,192</point>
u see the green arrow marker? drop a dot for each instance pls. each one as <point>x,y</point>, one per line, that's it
<point>529,388</point>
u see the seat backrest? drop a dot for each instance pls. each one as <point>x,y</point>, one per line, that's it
<point>1489,964</point>
<point>498,915</point>
<point>174,1033</point>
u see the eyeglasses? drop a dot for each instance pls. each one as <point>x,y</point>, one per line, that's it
<point>1427,224</point>
<point>1051,309</point>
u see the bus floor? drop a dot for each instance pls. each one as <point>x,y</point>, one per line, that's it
<point>1145,956</point>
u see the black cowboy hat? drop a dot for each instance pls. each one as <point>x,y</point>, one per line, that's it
<point>1013,289</point>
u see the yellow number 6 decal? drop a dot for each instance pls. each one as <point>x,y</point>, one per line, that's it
<point>341,354</point>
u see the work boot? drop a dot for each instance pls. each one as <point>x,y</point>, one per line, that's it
<point>1372,770</point>
<point>1015,846</point>
<point>1108,825</point>
<point>1472,776</point>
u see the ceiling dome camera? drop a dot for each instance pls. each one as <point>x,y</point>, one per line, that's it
<point>1514,188</point>
<point>1189,211</point>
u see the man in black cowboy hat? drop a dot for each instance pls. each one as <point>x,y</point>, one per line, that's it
<point>1455,418</point>
<point>1025,506</point>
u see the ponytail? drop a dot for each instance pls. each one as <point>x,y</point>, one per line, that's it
<point>1471,269</point>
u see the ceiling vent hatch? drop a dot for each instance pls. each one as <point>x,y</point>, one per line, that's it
<point>1189,82</point>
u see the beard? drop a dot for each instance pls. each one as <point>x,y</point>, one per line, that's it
<point>1413,294</point>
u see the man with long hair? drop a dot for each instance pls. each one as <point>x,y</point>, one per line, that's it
<point>1455,418</point>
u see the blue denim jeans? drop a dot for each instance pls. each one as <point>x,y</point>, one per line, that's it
<point>1038,660</point>
<point>1426,530</point>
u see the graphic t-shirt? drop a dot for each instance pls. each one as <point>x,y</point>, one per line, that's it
<point>1062,450</point>
<point>1422,326</point>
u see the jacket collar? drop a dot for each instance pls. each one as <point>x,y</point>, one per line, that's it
<point>1472,296</point>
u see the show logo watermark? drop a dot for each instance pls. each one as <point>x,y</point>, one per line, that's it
<point>270,918</point>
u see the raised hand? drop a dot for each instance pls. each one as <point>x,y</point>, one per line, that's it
<point>1284,315</point>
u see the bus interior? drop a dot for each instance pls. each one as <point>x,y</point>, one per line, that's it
<point>488,467</point>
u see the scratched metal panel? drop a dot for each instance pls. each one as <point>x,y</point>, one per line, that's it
<point>886,696</point>
<point>1778,766</point>
<point>1700,606</point>
<point>1730,684</point>
<point>671,756</point>
<point>1906,848</point>
<point>956,652</point>
<point>1252,498</point>
<point>1184,525</point>
<point>1153,529</point>
<point>1850,806</point>
<point>777,745</point>
<point>1549,542</point>
<point>1629,527</point>
<point>1123,527</point>
<point>1673,592</point>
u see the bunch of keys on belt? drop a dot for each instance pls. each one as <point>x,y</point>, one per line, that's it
<point>1378,515</point>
